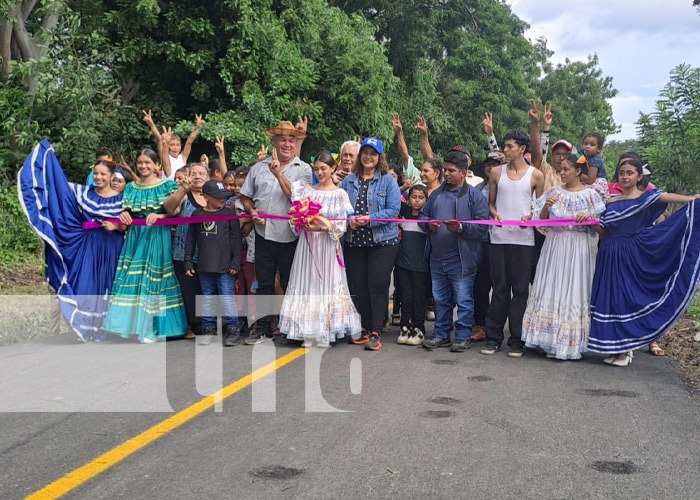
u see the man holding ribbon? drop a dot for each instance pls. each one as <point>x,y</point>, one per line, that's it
<point>454,250</point>
<point>267,190</point>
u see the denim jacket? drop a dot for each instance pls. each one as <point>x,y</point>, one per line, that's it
<point>470,205</point>
<point>383,201</point>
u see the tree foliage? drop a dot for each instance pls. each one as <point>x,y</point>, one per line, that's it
<point>670,135</point>
<point>80,71</point>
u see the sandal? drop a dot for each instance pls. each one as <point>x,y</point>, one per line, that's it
<point>656,350</point>
<point>189,335</point>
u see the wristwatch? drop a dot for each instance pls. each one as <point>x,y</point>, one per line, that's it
<point>461,228</point>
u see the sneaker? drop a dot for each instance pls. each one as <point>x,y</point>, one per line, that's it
<point>515,351</point>
<point>490,348</point>
<point>478,334</point>
<point>430,315</point>
<point>205,339</point>
<point>257,337</point>
<point>396,319</point>
<point>434,342</point>
<point>403,335</point>
<point>232,336</point>
<point>416,338</point>
<point>460,345</point>
<point>375,342</point>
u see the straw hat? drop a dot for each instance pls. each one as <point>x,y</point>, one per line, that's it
<point>284,128</point>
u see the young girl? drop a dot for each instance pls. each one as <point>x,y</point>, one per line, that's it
<point>646,275</point>
<point>596,177</point>
<point>80,262</point>
<point>146,299</point>
<point>412,270</point>
<point>120,178</point>
<point>557,318</point>
<point>317,307</point>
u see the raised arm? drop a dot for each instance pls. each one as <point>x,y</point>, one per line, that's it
<point>198,124</point>
<point>400,140</point>
<point>547,119</point>
<point>487,123</point>
<point>164,149</point>
<point>422,128</point>
<point>221,151</point>
<point>677,198</point>
<point>148,118</point>
<point>302,126</point>
<point>535,146</point>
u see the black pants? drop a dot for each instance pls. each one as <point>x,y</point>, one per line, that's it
<point>398,295</point>
<point>539,243</point>
<point>510,274</point>
<point>271,257</point>
<point>482,286</point>
<point>413,286</point>
<point>369,274</point>
<point>189,285</point>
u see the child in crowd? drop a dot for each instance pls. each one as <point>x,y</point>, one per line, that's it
<point>412,270</point>
<point>120,178</point>
<point>180,174</point>
<point>218,247</point>
<point>596,177</point>
<point>245,284</point>
<point>178,154</point>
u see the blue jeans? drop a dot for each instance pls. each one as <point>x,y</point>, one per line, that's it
<point>450,288</point>
<point>213,285</point>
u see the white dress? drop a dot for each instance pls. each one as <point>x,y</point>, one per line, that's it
<point>558,316</point>
<point>317,305</point>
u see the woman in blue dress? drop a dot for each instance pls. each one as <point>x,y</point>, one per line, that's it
<point>80,262</point>
<point>146,299</point>
<point>630,310</point>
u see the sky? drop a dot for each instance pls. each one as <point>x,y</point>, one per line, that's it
<point>638,43</point>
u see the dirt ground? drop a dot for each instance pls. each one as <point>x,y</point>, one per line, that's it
<point>683,350</point>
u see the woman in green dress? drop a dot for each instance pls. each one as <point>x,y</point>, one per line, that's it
<point>146,299</point>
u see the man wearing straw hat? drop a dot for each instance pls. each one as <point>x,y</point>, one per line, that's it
<point>267,190</point>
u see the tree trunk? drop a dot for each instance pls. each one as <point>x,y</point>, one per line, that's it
<point>5,49</point>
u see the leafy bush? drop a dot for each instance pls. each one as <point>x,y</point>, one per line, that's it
<point>18,242</point>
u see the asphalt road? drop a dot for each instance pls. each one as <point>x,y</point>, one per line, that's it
<point>399,423</point>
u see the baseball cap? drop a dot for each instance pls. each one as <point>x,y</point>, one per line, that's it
<point>373,143</point>
<point>461,149</point>
<point>215,189</point>
<point>562,142</point>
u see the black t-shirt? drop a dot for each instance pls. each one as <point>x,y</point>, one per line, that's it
<point>412,244</point>
<point>218,244</point>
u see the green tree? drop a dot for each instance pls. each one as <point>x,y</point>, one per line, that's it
<point>670,135</point>
<point>579,95</point>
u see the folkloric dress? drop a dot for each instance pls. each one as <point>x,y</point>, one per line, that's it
<point>646,275</point>
<point>80,262</point>
<point>317,305</point>
<point>557,318</point>
<point>146,299</point>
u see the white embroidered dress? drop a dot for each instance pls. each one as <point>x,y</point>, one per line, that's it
<point>558,317</point>
<point>317,305</point>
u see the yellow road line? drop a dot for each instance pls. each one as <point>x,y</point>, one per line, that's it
<point>100,464</point>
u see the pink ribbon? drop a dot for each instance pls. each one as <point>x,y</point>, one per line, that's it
<point>196,219</point>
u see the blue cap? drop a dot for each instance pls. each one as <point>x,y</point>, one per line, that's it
<point>373,143</point>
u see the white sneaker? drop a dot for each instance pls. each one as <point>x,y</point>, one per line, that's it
<point>403,335</point>
<point>205,339</point>
<point>416,338</point>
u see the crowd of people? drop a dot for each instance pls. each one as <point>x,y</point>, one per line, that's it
<point>571,262</point>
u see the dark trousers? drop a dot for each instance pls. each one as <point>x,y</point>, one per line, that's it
<point>189,285</point>
<point>413,286</point>
<point>482,286</point>
<point>510,278</point>
<point>271,257</point>
<point>539,243</point>
<point>398,294</point>
<point>369,273</point>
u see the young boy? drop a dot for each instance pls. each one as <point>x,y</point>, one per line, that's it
<point>178,154</point>
<point>218,248</point>
<point>596,177</point>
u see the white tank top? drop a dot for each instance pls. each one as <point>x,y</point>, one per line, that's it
<point>513,200</point>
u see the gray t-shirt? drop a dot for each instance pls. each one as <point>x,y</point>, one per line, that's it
<point>264,189</point>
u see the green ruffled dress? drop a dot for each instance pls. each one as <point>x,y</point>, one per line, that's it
<point>146,299</point>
